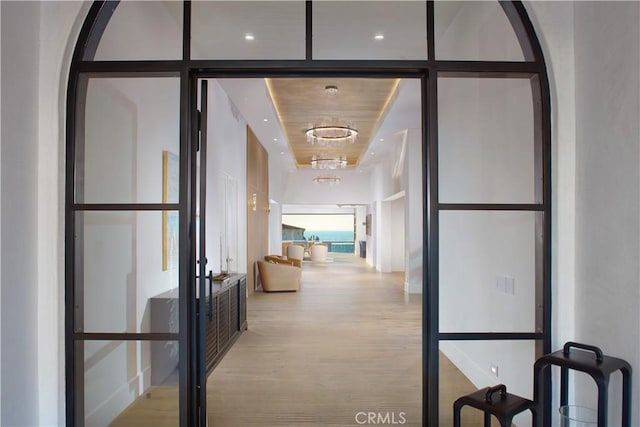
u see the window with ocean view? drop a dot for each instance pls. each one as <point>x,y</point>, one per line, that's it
<point>336,230</point>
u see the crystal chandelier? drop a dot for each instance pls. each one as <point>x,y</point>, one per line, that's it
<point>327,179</point>
<point>319,162</point>
<point>331,134</point>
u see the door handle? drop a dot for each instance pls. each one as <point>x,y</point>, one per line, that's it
<point>210,277</point>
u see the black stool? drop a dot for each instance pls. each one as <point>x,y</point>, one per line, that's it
<point>508,406</point>
<point>597,365</point>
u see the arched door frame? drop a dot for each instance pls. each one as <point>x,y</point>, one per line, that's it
<point>83,66</point>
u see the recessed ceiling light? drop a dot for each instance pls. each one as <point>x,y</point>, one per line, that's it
<point>373,153</point>
<point>381,139</point>
<point>282,152</point>
<point>249,37</point>
<point>275,139</point>
<point>265,120</point>
<point>379,36</point>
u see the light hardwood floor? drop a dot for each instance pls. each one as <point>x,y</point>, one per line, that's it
<point>348,342</point>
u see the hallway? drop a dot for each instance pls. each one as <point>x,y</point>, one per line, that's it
<point>346,345</point>
<point>349,341</point>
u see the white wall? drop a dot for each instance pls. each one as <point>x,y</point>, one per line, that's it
<point>396,209</point>
<point>391,238</point>
<point>226,155</point>
<point>398,232</point>
<point>361,232</point>
<point>594,84</point>
<point>275,228</point>
<point>382,235</point>
<point>60,22</point>
<point>300,189</point>
<point>389,182</point>
<point>383,185</point>
<point>554,25</point>
<point>278,176</point>
<point>19,374</point>
<point>607,58</point>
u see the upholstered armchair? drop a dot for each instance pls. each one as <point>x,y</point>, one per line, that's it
<point>319,253</point>
<point>283,260</point>
<point>277,277</point>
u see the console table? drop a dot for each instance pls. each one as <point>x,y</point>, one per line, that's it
<point>225,319</point>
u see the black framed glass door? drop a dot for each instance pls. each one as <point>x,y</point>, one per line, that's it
<point>205,310</point>
<point>123,229</point>
<point>119,224</point>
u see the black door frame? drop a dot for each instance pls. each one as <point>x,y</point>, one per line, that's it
<point>83,66</point>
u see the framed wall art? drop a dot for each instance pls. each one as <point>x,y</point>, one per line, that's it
<point>170,219</point>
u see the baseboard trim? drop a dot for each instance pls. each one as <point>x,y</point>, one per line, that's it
<point>113,405</point>
<point>466,364</point>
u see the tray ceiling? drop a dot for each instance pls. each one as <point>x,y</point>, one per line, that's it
<point>301,103</point>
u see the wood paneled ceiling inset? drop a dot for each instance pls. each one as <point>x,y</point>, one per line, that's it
<point>303,102</point>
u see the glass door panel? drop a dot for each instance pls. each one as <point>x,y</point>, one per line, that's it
<point>467,366</point>
<point>490,219</point>
<point>487,151</point>
<point>125,243</point>
<point>248,30</point>
<point>488,271</point>
<point>121,285</point>
<point>131,383</point>
<point>142,30</point>
<point>129,123</point>
<point>370,30</point>
<point>475,31</point>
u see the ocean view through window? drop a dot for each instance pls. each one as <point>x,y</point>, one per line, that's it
<point>336,230</point>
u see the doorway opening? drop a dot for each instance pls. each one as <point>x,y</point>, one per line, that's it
<point>485,158</point>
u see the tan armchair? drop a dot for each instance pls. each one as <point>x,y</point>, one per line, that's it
<point>283,260</point>
<point>277,277</point>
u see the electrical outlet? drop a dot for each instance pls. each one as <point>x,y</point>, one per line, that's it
<point>494,370</point>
